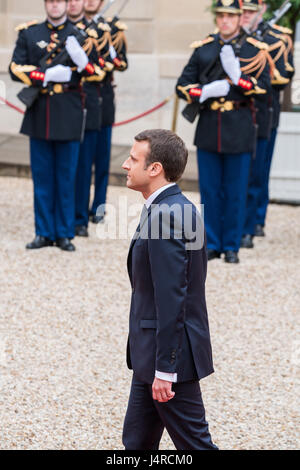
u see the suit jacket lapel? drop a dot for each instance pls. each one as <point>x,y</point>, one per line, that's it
<point>144,217</point>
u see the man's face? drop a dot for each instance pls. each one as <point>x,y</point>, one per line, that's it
<point>228,24</point>
<point>247,18</point>
<point>75,8</point>
<point>93,6</point>
<point>138,176</point>
<point>56,9</point>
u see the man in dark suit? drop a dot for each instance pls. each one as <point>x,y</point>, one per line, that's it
<point>169,346</point>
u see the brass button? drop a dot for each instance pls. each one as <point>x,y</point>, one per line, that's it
<point>222,100</point>
<point>51,93</point>
<point>222,109</point>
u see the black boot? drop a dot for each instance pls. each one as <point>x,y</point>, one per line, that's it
<point>65,244</point>
<point>81,231</point>
<point>97,219</point>
<point>259,231</point>
<point>247,241</point>
<point>212,254</point>
<point>39,242</point>
<point>231,257</point>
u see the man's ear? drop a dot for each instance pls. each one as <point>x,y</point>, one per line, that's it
<point>156,169</point>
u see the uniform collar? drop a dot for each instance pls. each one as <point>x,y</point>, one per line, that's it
<point>222,42</point>
<point>56,28</point>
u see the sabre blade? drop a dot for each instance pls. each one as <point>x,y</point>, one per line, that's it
<point>122,7</point>
<point>278,14</point>
<point>103,11</point>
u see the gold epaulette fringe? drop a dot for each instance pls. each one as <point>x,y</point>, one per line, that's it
<point>282,29</point>
<point>259,44</point>
<point>104,27</point>
<point>27,25</point>
<point>197,44</point>
<point>121,26</point>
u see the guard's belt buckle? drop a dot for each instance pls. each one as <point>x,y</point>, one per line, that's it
<point>222,106</point>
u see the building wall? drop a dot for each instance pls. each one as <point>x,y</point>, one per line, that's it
<point>162,27</point>
<point>159,34</point>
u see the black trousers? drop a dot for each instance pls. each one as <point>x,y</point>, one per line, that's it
<point>183,417</point>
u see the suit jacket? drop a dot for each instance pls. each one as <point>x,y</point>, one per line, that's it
<point>168,329</point>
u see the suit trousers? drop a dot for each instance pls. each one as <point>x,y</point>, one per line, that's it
<point>183,417</point>
<point>223,180</point>
<point>54,165</point>
<point>256,182</point>
<point>87,154</point>
<point>263,202</point>
<point>102,161</point>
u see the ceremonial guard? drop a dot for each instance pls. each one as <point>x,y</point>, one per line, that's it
<point>54,119</point>
<point>283,48</point>
<point>223,75</point>
<point>267,115</point>
<point>102,159</point>
<point>99,42</point>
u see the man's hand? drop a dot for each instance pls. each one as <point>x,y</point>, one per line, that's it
<point>57,74</point>
<point>162,390</point>
<point>215,90</point>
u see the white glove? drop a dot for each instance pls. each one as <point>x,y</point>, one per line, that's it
<point>230,63</point>
<point>214,90</point>
<point>57,74</point>
<point>112,52</point>
<point>76,53</point>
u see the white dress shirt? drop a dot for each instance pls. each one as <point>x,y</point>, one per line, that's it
<point>170,377</point>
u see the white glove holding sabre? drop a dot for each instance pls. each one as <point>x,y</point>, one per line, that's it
<point>57,74</point>
<point>76,53</point>
<point>215,90</point>
<point>231,63</point>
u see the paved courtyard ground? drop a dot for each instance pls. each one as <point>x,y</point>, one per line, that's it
<point>63,331</point>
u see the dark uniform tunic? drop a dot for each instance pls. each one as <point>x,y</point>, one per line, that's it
<point>225,135</point>
<point>100,42</point>
<point>267,117</point>
<point>214,129</point>
<point>55,125</point>
<point>283,57</point>
<point>102,160</point>
<point>49,117</point>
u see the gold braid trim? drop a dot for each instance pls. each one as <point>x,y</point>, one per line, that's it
<point>184,91</point>
<point>281,48</point>
<point>104,40</point>
<point>289,48</point>
<point>119,40</point>
<point>89,44</point>
<point>255,64</point>
<point>20,72</point>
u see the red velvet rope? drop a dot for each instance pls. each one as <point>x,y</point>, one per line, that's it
<point>117,124</point>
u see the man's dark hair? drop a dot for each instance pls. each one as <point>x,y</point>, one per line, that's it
<point>166,148</point>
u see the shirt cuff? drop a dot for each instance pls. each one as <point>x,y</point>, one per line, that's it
<point>169,377</point>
